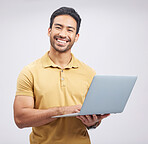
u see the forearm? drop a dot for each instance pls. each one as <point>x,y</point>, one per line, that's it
<point>35,117</point>
<point>26,116</point>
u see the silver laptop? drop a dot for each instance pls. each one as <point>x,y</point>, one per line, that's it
<point>107,94</point>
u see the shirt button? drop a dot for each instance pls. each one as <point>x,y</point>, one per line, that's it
<point>62,78</point>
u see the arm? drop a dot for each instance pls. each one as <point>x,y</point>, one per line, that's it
<point>26,116</point>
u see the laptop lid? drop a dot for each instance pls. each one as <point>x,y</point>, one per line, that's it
<point>108,94</point>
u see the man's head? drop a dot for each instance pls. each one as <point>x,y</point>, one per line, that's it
<point>64,28</point>
<point>66,11</point>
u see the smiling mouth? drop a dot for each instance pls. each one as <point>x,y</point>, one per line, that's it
<point>62,41</point>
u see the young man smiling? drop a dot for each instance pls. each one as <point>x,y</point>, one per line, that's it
<point>56,84</point>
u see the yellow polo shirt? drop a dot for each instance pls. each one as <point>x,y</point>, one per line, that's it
<point>50,86</point>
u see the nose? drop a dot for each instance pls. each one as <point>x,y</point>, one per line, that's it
<point>63,33</point>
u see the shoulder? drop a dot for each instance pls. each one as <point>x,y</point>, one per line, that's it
<point>85,68</point>
<point>25,80</point>
<point>30,70</point>
<point>33,65</point>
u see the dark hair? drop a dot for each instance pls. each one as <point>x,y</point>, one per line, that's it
<point>66,11</point>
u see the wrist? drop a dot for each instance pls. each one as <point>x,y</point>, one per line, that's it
<point>60,110</point>
<point>94,126</point>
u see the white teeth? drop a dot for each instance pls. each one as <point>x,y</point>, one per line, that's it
<point>61,41</point>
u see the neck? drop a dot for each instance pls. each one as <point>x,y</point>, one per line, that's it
<point>61,59</point>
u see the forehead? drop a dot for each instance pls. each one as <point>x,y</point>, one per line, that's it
<point>65,20</point>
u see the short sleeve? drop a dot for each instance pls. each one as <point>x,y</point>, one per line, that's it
<point>25,82</point>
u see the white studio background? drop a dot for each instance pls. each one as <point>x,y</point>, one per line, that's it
<point>113,40</point>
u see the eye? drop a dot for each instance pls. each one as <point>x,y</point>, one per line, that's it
<point>57,27</point>
<point>70,30</point>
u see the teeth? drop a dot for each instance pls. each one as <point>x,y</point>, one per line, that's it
<point>61,41</point>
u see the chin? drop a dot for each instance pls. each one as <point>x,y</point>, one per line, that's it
<point>62,49</point>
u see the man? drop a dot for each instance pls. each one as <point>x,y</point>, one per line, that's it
<point>56,84</point>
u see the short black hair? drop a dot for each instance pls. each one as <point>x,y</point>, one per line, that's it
<point>66,11</point>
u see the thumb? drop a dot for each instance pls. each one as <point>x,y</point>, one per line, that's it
<point>76,111</point>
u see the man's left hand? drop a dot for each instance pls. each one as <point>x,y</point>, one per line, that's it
<point>90,120</point>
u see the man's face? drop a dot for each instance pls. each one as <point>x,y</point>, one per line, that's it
<point>63,33</point>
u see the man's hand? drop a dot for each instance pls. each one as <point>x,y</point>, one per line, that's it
<point>70,109</point>
<point>90,120</point>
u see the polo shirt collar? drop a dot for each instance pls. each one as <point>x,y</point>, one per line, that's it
<point>47,62</point>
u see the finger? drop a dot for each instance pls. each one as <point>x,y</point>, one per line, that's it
<point>84,118</point>
<point>95,118</point>
<point>89,118</point>
<point>76,111</point>
<point>80,118</point>
<point>100,117</point>
<point>78,107</point>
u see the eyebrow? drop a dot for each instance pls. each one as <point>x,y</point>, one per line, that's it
<point>67,26</point>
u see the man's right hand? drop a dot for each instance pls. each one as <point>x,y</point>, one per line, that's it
<point>70,109</point>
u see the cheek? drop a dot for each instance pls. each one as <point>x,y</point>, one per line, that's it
<point>52,36</point>
<point>73,38</point>
<point>53,33</point>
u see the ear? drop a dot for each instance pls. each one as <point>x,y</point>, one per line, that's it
<point>76,37</point>
<point>49,31</point>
